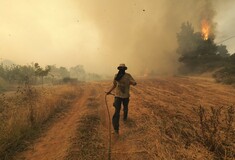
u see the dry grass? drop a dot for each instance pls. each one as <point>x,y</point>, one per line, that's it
<point>162,124</point>
<point>178,138</point>
<point>22,113</point>
<point>212,132</point>
<point>217,131</point>
<point>88,143</point>
<point>168,119</point>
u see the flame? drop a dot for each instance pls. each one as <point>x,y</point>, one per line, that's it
<point>205,29</point>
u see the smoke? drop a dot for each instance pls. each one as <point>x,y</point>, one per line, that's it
<point>207,15</point>
<point>142,34</point>
<point>226,22</point>
<point>100,34</point>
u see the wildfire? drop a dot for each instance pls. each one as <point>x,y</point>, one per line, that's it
<point>205,29</point>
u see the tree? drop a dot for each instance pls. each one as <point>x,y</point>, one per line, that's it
<point>2,71</point>
<point>222,51</point>
<point>196,54</point>
<point>64,72</point>
<point>185,39</point>
<point>232,59</point>
<point>16,73</point>
<point>78,72</point>
<point>41,72</point>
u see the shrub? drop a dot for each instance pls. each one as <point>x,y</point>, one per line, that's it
<point>225,75</point>
<point>217,130</point>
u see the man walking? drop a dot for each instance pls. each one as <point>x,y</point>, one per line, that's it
<point>121,82</point>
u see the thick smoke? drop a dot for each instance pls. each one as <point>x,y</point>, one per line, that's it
<point>101,34</point>
<point>142,34</point>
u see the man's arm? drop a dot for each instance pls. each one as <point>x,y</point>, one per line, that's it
<point>132,81</point>
<point>114,86</point>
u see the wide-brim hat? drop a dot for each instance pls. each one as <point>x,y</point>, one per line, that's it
<point>122,66</point>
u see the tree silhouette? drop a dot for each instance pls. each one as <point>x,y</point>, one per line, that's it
<point>78,72</point>
<point>222,51</point>
<point>197,54</point>
<point>40,72</point>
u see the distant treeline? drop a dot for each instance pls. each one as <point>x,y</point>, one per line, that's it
<point>198,55</point>
<point>35,74</point>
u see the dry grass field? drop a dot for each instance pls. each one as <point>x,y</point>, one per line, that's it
<point>24,112</point>
<point>169,118</point>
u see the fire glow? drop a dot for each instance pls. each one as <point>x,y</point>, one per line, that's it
<point>205,29</point>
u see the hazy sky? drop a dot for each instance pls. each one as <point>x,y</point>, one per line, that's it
<point>100,34</point>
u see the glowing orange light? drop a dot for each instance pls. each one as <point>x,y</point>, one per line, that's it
<point>205,29</point>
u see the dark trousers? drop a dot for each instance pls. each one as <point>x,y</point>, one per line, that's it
<point>117,104</point>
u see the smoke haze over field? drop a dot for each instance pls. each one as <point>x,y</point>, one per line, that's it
<point>101,34</point>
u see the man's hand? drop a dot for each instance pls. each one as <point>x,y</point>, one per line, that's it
<point>133,83</point>
<point>110,93</point>
<point>107,93</point>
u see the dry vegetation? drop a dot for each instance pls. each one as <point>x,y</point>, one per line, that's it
<point>88,137</point>
<point>169,118</point>
<point>217,131</point>
<point>22,113</point>
<point>167,113</point>
<point>88,134</point>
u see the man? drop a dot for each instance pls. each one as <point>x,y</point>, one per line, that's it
<point>121,82</point>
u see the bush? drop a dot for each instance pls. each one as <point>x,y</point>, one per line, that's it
<point>217,130</point>
<point>70,80</point>
<point>3,85</point>
<point>225,75</point>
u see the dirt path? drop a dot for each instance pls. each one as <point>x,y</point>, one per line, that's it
<point>54,144</point>
<point>157,107</point>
